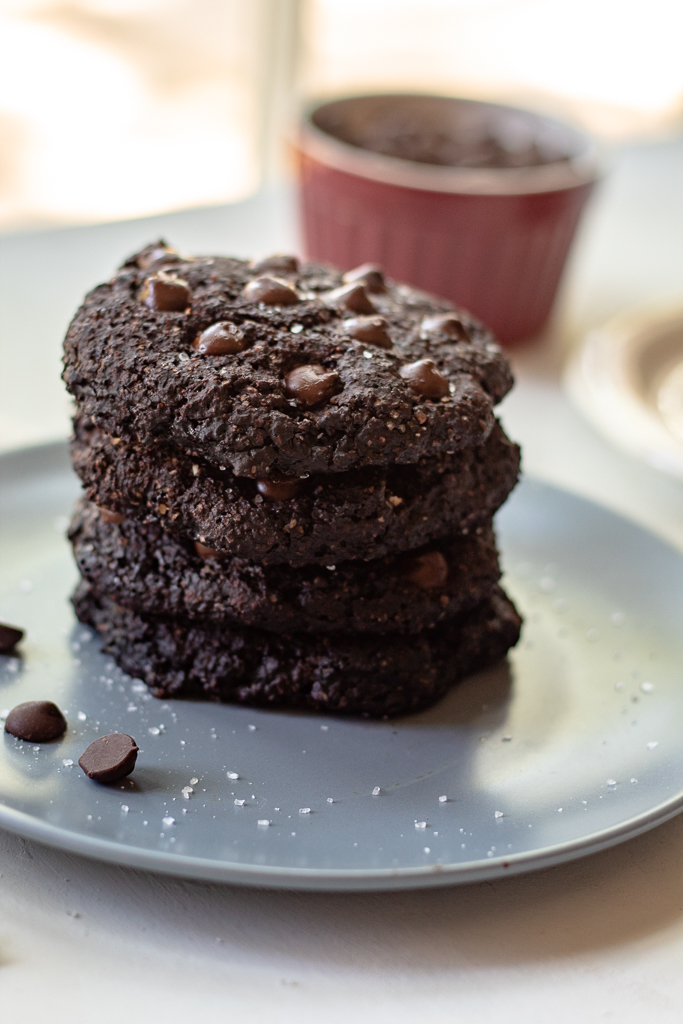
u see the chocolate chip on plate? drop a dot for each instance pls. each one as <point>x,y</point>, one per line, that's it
<point>278,263</point>
<point>110,757</point>
<point>311,384</point>
<point>371,330</point>
<point>9,638</point>
<point>449,324</point>
<point>424,379</point>
<point>221,339</point>
<point>205,552</point>
<point>107,516</point>
<point>369,274</point>
<point>272,291</point>
<point>351,296</point>
<point>166,293</point>
<point>427,571</point>
<point>37,721</point>
<point>279,488</point>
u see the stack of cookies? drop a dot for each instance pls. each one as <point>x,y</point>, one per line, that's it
<point>290,476</point>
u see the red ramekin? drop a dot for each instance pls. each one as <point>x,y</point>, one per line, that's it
<point>491,239</point>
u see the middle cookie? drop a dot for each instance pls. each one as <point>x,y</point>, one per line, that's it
<point>142,567</point>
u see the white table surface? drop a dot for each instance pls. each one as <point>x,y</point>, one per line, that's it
<point>597,940</point>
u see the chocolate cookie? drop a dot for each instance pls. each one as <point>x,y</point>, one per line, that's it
<point>277,368</point>
<point>141,566</point>
<point>360,675</point>
<point>323,519</point>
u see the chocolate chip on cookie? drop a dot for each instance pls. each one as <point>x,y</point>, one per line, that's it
<point>371,330</point>
<point>223,338</point>
<point>276,264</point>
<point>353,297</point>
<point>311,384</point>
<point>166,293</point>
<point>424,379</point>
<point>271,291</point>
<point>369,274</point>
<point>279,488</point>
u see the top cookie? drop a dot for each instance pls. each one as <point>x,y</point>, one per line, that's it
<point>279,368</point>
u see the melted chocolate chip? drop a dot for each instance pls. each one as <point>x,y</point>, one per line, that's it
<point>220,339</point>
<point>278,264</point>
<point>166,293</point>
<point>353,297</point>
<point>427,571</point>
<point>270,290</point>
<point>372,330</point>
<point>449,324</point>
<point>279,488</point>
<point>9,638</point>
<point>369,274</point>
<point>311,384</point>
<point>157,253</point>
<point>204,552</point>
<point>107,516</point>
<point>110,757</point>
<point>37,721</point>
<point>424,379</point>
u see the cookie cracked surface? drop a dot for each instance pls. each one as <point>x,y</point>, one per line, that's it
<point>140,373</point>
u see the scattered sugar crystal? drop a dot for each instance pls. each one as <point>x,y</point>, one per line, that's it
<point>420,824</point>
<point>240,803</point>
<point>81,716</point>
<point>187,792</point>
<point>124,808</point>
<point>67,762</point>
<point>168,821</point>
<point>367,355</point>
<point>304,810</point>
<point>443,799</point>
<point>647,687</point>
<point>296,328</point>
<point>251,728</point>
<point>330,800</point>
<point>3,714</point>
<point>611,782</point>
<point>153,731</point>
<point>193,781</point>
<point>132,707</point>
<point>497,814</point>
<point>324,728</point>
<point>263,823</point>
<point>634,781</point>
<point>427,849</point>
<point>376,791</point>
<point>652,744</point>
<point>233,775</point>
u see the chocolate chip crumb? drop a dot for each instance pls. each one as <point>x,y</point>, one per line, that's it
<point>108,516</point>
<point>449,324</point>
<point>37,721</point>
<point>9,638</point>
<point>205,552</point>
<point>428,570</point>
<point>110,757</point>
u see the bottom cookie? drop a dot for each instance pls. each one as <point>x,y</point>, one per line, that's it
<point>345,674</point>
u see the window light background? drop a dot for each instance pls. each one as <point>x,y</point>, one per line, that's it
<point>112,109</point>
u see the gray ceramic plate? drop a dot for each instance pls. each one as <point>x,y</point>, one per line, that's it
<point>573,747</point>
